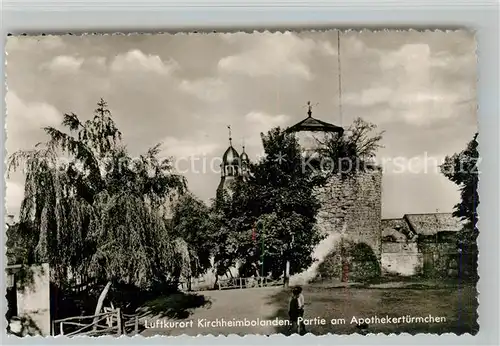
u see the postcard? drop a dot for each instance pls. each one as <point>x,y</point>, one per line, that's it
<point>288,182</point>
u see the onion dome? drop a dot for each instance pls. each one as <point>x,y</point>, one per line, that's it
<point>231,157</point>
<point>244,157</point>
<point>230,160</point>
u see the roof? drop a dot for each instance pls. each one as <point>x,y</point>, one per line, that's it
<point>397,228</point>
<point>230,157</point>
<point>397,224</point>
<point>313,124</point>
<point>433,223</point>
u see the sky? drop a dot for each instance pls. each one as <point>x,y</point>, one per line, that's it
<point>184,90</point>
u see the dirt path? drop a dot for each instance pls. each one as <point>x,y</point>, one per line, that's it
<point>238,304</point>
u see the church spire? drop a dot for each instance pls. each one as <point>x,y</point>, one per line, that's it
<point>230,139</point>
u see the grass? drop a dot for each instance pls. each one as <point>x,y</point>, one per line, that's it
<point>457,305</point>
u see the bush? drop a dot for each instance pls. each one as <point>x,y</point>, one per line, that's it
<point>357,260</point>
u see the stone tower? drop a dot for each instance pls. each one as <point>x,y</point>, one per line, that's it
<point>351,208</point>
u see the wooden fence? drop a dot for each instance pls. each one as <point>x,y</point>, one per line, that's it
<point>233,283</point>
<point>110,322</point>
<point>131,324</point>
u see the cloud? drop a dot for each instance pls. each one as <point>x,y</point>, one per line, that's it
<point>22,115</point>
<point>65,63</point>
<point>135,60</point>
<point>418,56</point>
<point>258,122</point>
<point>209,89</point>
<point>409,56</point>
<point>184,148</point>
<point>326,48</point>
<point>369,97</point>
<point>415,106</point>
<point>266,121</point>
<point>96,61</point>
<point>24,122</point>
<point>411,87</point>
<point>274,54</point>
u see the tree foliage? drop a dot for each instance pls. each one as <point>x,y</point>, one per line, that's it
<point>270,218</point>
<point>94,211</point>
<point>462,169</point>
<point>192,222</point>
<point>352,151</point>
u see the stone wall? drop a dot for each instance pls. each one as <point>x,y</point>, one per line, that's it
<point>440,259</point>
<point>401,258</point>
<point>352,208</point>
<point>431,256</point>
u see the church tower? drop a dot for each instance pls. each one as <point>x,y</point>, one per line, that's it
<point>245,164</point>
<point>231,167</point>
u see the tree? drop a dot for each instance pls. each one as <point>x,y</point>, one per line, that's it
<point>350,153</point>
<point>224,238</point>
<point>462,169</point>
<point>278,205</point>
<point>20,246</point>
<point>191,221</point>
<point>99,214</point>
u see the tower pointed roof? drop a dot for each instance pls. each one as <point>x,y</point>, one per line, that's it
<point>313,124</point>
<point>231,156</point>
<point>244,155</point>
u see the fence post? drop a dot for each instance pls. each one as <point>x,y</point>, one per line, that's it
<point>119,321</point>
<point>61,329</point>
<point>240,284</point>
<point>136,326</point>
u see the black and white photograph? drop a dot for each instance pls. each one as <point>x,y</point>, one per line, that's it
<point>249,183</point>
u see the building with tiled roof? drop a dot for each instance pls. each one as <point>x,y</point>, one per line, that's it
<point>431,224</point>
<point>420,244</point>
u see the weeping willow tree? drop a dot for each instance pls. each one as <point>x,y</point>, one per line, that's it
<point>95,212</point>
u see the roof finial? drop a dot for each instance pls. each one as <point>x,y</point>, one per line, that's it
<point>230,139</point>
<point>243,144</point>
<point>309,108</point>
